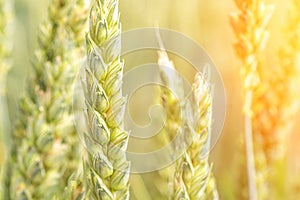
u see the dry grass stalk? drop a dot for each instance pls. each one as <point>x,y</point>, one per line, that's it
<point>106,168</point>
<point>44,135</point>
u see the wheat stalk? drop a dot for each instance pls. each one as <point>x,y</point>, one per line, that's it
<point>44,135</point>
<point>106,168</point>
<point>249,25</point>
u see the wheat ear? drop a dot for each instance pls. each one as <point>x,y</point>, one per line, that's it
<point>44,133</point>
<point>193,176</point>
<point>278,103</point>
<point>106,168</point>
<point>173,107</point>
<point>249,25</point>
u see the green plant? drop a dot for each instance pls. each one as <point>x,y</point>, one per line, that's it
<point>106,168</point>
<point>193,175</point>
<point>45,140</point>
<point>193,178</point>
<point>173,106</point>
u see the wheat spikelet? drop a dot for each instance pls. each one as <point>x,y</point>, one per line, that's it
<point>106,168</point>
<point>249,25</point>
<point>173,106</point>
<point>74,189</point>
<point>192,177</point>
<point>44,135</point>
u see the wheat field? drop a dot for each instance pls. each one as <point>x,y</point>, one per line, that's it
<point>47,47</point>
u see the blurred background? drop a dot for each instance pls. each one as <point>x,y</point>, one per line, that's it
<point>207,22</point>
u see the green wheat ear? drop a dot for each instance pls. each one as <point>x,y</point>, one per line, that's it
<point>193,178</point>
<point>173,107</point>
<point>193,173</point>
<point>45,141</point>
<point>106,168</point>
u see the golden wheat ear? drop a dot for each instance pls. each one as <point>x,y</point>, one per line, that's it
<point>249,25</point>
<point>106,168</point>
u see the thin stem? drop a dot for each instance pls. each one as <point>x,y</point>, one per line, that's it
<point>250,151</point>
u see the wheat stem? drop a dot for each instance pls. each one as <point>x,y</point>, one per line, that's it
<point>44,135</point>
<point>250,152</point>
<point>106,168</point>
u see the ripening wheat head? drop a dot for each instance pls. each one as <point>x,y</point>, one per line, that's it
<point>44,138</point>
<point>171,98</point>
<point>106,168</point>
<point>193,176</point>
<point>249,25</point>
